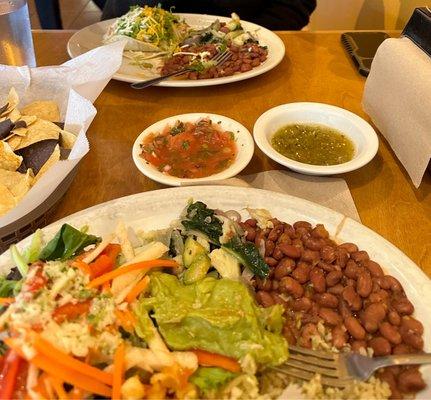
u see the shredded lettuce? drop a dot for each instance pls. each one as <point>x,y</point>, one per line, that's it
<point>19,261</point>
<point>216,315</point>
<point>67,242</point>
<point>31,253</point>
<point>210,380</point>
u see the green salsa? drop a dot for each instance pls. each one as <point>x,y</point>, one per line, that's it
<point>313,144</point>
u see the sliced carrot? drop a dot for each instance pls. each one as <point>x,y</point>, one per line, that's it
<point>7,300</point>
<point>76,394</point>
<point>70,311</point>
<point>208,359</point>
<point>106,287</point>
<point>118,371</point>
<point>83,266</point>
<point>137,289</point>
<point>58,387</point>
<point>45,348</point>
<point>126,319</point>
<point>129,268</point>
<point>54,368</point>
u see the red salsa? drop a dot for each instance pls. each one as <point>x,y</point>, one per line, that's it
<point>190,150</point>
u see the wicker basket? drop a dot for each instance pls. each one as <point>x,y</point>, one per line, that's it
<point>37,218</point>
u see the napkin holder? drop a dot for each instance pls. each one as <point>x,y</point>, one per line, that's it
<point>418,29</point>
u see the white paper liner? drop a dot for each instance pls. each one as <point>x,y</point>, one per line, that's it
<point>74,86</point>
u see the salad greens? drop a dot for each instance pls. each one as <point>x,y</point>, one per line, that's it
<point>67,242</point>
<point>248,255</point>
<point>211,379</point>
<point>216,315</point>
<point>9,287</point>
<point>200,218</point>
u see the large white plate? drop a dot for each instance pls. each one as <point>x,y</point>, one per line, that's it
<point>156,209</point>
<point>91,36</point>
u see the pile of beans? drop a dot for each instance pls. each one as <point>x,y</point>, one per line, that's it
<point>319,281</point>
<point>244,58</point>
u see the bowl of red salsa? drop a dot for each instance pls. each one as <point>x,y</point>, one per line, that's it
<point>193,148</point>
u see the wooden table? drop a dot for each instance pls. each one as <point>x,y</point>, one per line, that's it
<point>315,68</point>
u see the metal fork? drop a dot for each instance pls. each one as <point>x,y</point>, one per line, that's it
<point>218,59</point>
<point>340,369</point>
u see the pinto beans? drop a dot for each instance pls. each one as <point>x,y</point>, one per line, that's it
<point>327,253</point>
<point>302,272</point>
<point>339,337</point>
<point>302,224</point>
<point>390,332</point>
<point>250,233</point>
<point>284,268</point>
<point>394,318</point>
<point>290,250</point>
<point>352,298</point>
<point>410,380</point>
<point>327,300</point>
<point>401,348</point>
<point>359,256</point>
<point>264,298</point>
<point>374,268</point>
<point>314,243</point>
<point>349,247</point>
<point>351,270</point>
<point>355,328</point>
<point>344,309</point>
<point>357,345</point>
<point>372,316</point>
<point>330,316</point>
<point>394,283</point>
<point>333,278</point>
<point>291,286</point>
<point>302,304</point>
<point>364,284</point>
<point>380,346</point>
<point>310,256</point>
<point>269,247</point>
<point>412,339</point>
<point>412,324</point>
<point>403,306</point>
<point>317,278</point>
<point>275,233</point>
<point>336,289</point>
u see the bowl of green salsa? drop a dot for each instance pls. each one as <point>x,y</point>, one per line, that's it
<point>315,138</point>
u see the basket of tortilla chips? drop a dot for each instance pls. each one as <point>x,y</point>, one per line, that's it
<point>44,115</point>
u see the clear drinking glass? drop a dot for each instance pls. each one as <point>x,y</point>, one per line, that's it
<point>16,43</point>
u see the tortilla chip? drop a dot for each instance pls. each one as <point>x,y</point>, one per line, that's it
<point>7,201</point>
<point>14,115</point>
<point>8,159</point>
<point>17,183</point>
<point>44,109</point>
<point>14,141</point>
<point>12,101</point>
<point>67,139</point>
<point>28,119</point>
<point>55,156</point>
<point>37,154</point>
<point>38,131</point>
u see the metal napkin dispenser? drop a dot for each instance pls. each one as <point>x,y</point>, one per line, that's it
<point>418,29</point>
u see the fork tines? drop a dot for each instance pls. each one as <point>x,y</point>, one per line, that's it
<point>304,364</point>
<point>221,57</point>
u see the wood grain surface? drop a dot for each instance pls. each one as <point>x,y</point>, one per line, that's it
<point>315,68</point>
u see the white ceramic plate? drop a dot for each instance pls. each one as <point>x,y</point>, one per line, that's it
<point>156,209</point>
<point>91,36</point>
<point>358,130</point>
<point>243,138</point>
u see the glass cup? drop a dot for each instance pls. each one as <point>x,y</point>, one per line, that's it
<point>16,43</point>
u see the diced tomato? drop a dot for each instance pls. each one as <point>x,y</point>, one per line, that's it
<point>70,311</point>
<point>100,266</point>
<point>37,282</point>
<point>12,375</point>
<point>112,250</point>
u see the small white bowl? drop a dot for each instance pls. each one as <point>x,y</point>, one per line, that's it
<point>243,138</point>
<point>355,128</point>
